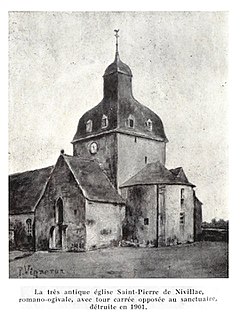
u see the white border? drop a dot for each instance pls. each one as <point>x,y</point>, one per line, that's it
<point>10,289</point>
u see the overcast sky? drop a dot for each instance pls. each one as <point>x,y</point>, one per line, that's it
<point>179,66</point>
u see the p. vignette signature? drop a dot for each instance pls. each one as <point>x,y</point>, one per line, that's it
<point>28,271</point>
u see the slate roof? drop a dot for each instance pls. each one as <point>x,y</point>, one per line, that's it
<point>118,106</point>
<point>118,114</point>
<point>26,188</point>
<point>157,173</point>
<point>179,174</point>
<point>118,66</point>
<point>92,180</point>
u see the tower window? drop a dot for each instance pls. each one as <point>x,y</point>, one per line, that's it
<point>146,221</point>
<point>148,124</point>
<point>104,121</point>
<point>130,121</point>
<point>89,126</point>
<point>146,160</point>
<point>29,227</point>
<point>182,197</point>
<point>135,139</point>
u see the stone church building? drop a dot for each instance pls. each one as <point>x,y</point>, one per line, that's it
<point>115,187</point>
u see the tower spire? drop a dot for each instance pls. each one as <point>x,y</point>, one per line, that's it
<point>117,36</point>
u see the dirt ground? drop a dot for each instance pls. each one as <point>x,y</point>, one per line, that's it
<point>198,260</point>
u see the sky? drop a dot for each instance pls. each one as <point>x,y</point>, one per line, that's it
<point>179,62</point>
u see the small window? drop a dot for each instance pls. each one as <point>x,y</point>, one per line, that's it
<point>146,160</point>
<point>29,227</point>
<point>130,121</point>
<point>146,221</point>
<point>89,126</point>
<point>182,193</point>
<point>182,197</point>
<point>75,212</point>
<point>135,139</point>
<point>149,124</point>
<point>104,121</point>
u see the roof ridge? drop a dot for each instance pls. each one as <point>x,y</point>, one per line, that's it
<point>81,184</point>
<point>115,189</point>
<point>147,165</point>
<point>81,158</point>
<point>135,174</point>
<point>17,173</point>
<point>76,179</point>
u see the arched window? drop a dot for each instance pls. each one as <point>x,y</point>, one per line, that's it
<point>104,121</point>
<point>131,121</point>
<point>149,124</point>
<point>59,211</point>
<point>89,126</point>
<point>29,227</point>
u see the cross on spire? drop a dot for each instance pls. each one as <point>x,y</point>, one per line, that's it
<point>117,36</point>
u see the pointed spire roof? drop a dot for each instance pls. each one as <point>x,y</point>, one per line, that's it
<point>117,65</point>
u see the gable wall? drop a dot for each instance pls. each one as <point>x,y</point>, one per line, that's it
<point>61,184</point>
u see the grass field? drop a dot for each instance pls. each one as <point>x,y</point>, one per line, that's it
<point>197,260</point>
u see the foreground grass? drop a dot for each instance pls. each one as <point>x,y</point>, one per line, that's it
<point>198,260</point>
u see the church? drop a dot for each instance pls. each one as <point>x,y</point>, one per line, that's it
<point>113,190</point>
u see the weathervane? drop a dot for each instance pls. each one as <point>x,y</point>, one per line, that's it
<point>117,36</point>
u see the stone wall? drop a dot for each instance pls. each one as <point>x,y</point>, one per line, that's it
<point>141,214</point>
<point>134,153</point>
<point>142,204</point>
<point>61,185</point>
<point>175,231</point>
<point>121,155</point>
<point>197,219</point>
<point>103,224</point>
<point>21,238</point>
<point>106,154</point>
